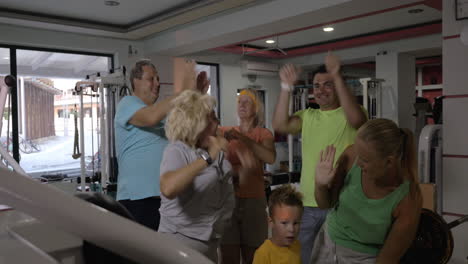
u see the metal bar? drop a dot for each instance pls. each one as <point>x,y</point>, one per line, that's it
<point>82,158</point>
<point>458,221</point>
<point>103,148</point>
<point>14,106</point>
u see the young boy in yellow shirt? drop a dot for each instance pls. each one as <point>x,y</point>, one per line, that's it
<point>285,209</point>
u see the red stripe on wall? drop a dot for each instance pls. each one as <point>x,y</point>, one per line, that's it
<point>367,40</point>
<point>456,96</point>
<point>453,214</point>
<point>452,36</point>
<point>344,44</point>
<point>455,156</point>
<point>437,4</point>
<point>336,21</point>
<point>258,53</point>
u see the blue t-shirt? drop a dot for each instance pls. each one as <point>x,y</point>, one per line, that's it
<point>139,152</point>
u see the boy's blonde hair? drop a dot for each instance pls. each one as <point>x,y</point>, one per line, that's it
<point>284,195</point>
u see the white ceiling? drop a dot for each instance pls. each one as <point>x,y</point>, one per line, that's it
<point>128,12</point>
<point>132,19</point>
<point>146,19</point>
<point>355,27</point>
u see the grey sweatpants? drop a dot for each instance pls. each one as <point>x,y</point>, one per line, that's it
<point>327,252</point>
<point>207,248</point>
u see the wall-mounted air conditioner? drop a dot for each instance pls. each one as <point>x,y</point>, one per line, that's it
<point>259,68</point>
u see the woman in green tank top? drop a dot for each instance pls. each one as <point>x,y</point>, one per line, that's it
<point>374,196</point>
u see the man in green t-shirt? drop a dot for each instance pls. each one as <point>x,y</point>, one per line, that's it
<point>334,123</point>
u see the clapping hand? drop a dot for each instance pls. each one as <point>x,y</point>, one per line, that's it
<point>190,75</point>
<point>233,134</point>
<point>217,144</point>
<point>248,164</point>
<point>203,83</point>
<point>246,158</point>
<point>289,74</point>
<point>325,171</point>
<point>332,63</point>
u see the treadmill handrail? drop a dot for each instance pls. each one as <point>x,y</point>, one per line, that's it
<point>92,223</point>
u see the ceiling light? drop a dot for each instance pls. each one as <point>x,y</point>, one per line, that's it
<point>111,3</point>
<point>6,58</point>
<point>328,29</point>
<point>270,41</point>
<point>415,11</point>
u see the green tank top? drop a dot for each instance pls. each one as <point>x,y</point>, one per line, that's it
<point>360,223</point>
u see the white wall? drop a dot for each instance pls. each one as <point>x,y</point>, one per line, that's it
<point>398,89</point>
<point>455,128</point>
<point>231,79</point>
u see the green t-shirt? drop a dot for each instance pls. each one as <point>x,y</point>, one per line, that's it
<point>360,223</point>
<point>319,129</point>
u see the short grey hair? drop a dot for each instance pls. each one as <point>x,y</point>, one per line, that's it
<point>137,70</point>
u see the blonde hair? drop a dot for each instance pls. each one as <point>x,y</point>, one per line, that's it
<point>388,139</point>
<point>284,195</point>
<point>259,109</point>
<point>188,116</point>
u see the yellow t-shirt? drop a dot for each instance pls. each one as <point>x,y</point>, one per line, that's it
<point>320,129</point>
<point>269,253</point>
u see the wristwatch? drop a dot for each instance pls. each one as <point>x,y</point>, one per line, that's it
<point>205,156</point>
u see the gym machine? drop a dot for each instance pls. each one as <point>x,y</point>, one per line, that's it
<point>108,89</point>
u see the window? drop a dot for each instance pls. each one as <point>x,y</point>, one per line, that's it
<point>46,108</point>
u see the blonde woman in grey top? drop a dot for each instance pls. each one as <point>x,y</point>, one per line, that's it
<point>197,196</point>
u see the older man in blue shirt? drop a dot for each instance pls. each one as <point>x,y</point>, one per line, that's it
<point>140,141</point>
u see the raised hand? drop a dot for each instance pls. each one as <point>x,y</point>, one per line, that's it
<point>189,76</point>
<point>332,63</point>
<point>203,83</point>
<point>289,74</point>
<point>325,171</point>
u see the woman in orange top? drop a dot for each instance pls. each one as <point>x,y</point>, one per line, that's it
<point>251,143</point>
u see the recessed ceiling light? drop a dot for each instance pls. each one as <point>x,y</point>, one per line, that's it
<point>6,58</point>
<point>111,3</point>
<point>270,41</point>
<point>328,29</point>
<point>415,11</point>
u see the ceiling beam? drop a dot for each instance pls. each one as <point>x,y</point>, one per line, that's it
<point>84,63</point>
<point>39,60</point>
